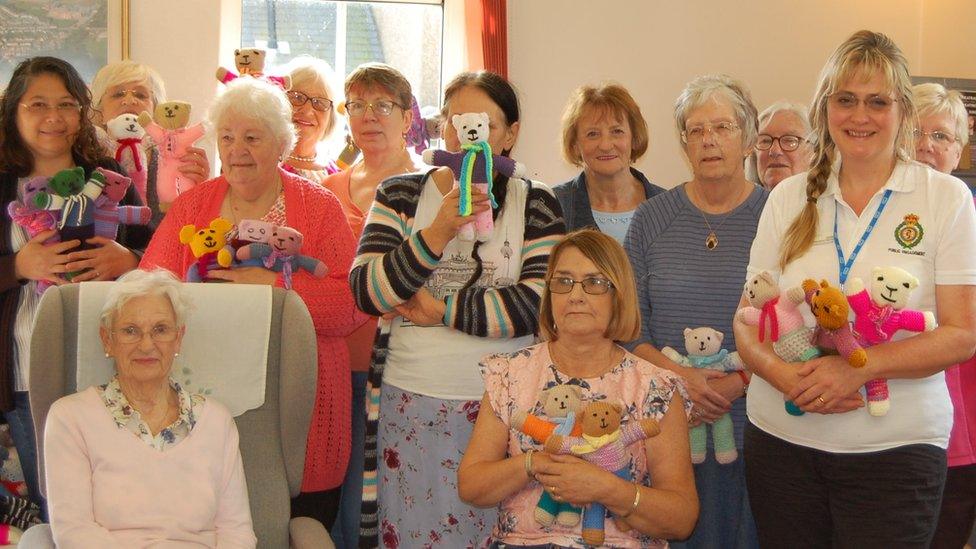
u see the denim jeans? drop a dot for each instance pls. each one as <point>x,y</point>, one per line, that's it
<point>345,531</point>
<point>22,431</point>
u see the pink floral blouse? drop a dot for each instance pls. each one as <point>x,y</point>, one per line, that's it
<point>514,381</point>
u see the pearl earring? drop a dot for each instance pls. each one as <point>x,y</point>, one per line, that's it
<point>176,355</point>
<point>107,355</point>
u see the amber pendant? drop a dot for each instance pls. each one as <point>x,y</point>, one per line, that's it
<point>711,242</point>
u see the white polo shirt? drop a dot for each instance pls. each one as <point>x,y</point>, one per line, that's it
<point>928,228</point>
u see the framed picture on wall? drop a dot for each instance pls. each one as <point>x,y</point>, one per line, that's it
<point>966,87</point>
<point>86,33</point>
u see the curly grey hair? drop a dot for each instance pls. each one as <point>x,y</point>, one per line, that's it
<point>258,100</point>
<point>139,283</point>
<point>702,88</point>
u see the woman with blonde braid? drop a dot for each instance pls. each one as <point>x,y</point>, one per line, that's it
<point>839,476</point>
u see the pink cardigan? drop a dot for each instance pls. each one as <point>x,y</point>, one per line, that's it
<point>961,380</point>
<point>108,489</point>
<point>317,214</point>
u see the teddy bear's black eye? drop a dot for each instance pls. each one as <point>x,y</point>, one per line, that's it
<point>881,279</point>
<point>905,284</point>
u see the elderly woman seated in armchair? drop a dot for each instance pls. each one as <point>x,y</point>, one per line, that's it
<point>140,460</point>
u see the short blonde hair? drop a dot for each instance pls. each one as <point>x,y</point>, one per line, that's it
<point>611,259</point>
<point>255,99</point>
<point>121,72</point>
<point>932,98</point>
<point>306,70</point>
<point>610,100</point>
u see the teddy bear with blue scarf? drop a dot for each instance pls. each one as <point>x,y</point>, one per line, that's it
<point>704,346</point>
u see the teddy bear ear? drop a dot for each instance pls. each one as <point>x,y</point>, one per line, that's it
<point>617,407</point>
<point>687,331</point>
<point>186,233</point>
<point>823,283</point>
<point>455,120</point>
<point>719,336</point>
<point>577,390</point>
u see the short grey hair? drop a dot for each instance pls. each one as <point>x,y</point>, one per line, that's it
<point>258,100</point>
<point>801,112</point>
<point>140,283</point>
<point>306,70</point>
<point>702,88</point>
<point>121,72</point>
<point>931,98</point>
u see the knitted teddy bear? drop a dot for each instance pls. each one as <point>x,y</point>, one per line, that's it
<point>474,167</point>
<point>209,247</point>
<point>75,198</point>
<point>879,314</point>
<point>251,231</point>
<point>173,135</point>
<point>561,404</point>
<point>602,443</point>
<point>126,134</point>
<point>790,336</point>
<point>250,62</point>
<point>108,214</point>
<point>34,220</point>
<point>704,346</point>
<point>829,306</point>
<point>281,254</point>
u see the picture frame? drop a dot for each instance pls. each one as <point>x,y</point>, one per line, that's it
<point>86,33</point>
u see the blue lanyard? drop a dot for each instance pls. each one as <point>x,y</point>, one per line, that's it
<point>845,268</point>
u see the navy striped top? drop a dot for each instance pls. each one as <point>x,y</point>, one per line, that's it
<point>680,282</point>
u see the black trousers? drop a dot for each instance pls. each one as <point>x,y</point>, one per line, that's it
<point>806,498</point>
<point>322,506</point>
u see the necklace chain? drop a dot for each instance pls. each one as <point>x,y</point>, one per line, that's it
<point>711,241</point>
<point>233,206</point>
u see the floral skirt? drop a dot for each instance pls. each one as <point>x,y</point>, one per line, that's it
<point>420,443</point>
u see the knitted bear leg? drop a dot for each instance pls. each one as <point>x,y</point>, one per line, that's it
<point>568,515</point>
<point>466,232</point>
<point>724,440</point>
<point>697,437</point>
<point>593,516</point>
<point>546,509</point>
<point>878,403</point>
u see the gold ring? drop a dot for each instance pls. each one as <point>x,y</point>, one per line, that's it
<point>822,401</point>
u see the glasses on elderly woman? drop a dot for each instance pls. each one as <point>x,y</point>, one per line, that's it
<point>160,333</point>
<point>591,285</point>
<point>786,142</point>
<point>939,137</point>
<point>722,130</point>
<point>382,107</point>
<point>297,99</point>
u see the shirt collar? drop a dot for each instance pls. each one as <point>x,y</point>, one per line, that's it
<point>124,413</point>
<point>899,181</point>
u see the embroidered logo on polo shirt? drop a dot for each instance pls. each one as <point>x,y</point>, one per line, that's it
<point>909,232</point>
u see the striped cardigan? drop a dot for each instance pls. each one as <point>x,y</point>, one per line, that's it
<point>393,263</point>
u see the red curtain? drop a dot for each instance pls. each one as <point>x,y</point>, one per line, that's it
<point>494,36</point>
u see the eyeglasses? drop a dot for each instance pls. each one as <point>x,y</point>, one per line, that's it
<point>722,130</point>
<point>786,142</point>
<point>592,285</point>
<point>139,95</point>
<point>382,107</point>
<point>297,99</point>
<point>848,101</point>
<point>939,137</point>
<point>160,333</point>
<point>64,108</point>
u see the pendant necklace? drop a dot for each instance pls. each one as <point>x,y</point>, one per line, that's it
<point>711,241</point>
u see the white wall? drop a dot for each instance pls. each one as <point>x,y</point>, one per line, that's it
<point>777,47</point>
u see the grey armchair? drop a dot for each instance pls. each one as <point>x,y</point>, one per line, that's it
<point>272,435</point>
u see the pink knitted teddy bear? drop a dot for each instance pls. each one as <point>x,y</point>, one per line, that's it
<point>879,314</point>
<point>173,135</point>
<point>790,336</point>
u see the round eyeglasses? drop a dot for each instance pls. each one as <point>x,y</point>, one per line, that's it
<point>382,107</point>
<point>786,142</point>
<point>297,99</point>
<point>591,285</point>
<point>160,333</point>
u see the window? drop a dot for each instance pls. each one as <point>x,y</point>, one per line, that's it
<point>406,35</point>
